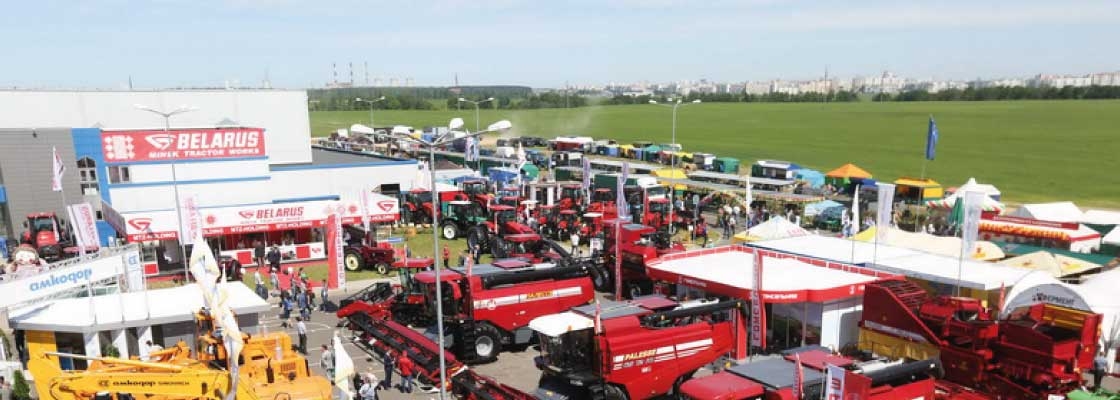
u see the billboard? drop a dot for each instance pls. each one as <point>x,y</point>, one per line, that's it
<point>182,144</point>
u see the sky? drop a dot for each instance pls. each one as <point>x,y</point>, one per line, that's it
<point>177,43</point>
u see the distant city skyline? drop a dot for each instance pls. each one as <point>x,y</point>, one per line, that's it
<point>179,43</point>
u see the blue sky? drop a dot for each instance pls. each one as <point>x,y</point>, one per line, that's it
<point>100,43</point>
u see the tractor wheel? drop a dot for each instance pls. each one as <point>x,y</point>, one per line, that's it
<point>634,290</point>
<point>601,279</point>
<point>676,391</point>
<point>487,343</point>
<point>500,248</point>
<point>614,392</point>
<point>479,237</point>
<point>353,261</point>
<point>382,268</point>
<point>450,230</point>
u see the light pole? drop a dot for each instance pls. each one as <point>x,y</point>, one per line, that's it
<point>456,123</point>
<point>371,103</point>
<point>174,180</point>
<point>476,104</point>
<point>673,159</point>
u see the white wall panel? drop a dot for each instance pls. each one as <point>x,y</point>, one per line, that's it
<point>143,198</point>
<point>344,182</point>
<point>282,113</point>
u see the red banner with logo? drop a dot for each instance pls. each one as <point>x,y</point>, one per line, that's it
<point>182,144</point>
<point>334,251</point>
<point>758,309</point>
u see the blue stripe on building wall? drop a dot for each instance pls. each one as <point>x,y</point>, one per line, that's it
<point>87,143</point>
<point>3,195</point>
<point>193,182</point>
<point>313,198</point>
<point>346,165</point>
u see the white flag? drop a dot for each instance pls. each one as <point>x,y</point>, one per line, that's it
<point>343,366</point>
<point>885,213</point>
<point>57,170</point>
<point>189,219</point>
<point>834,383</point>
<point>855,211</point>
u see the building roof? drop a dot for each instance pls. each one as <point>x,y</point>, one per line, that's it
<point>898,260</point>
<point>143,308</point>
<point>1100,217</point>
<point>325,156</point>
<point>730,271</point>
<point>922,183</point>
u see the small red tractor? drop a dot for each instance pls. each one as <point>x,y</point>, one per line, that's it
<point>548,220</point>
<point>603,201</point>
<point>488,234</point>
<point>381,256</point>
<point>640,349</point>
<point>48,235</point>
<point>486,307</point>
<point>638,244</point>
<point>477,191</point>
<point>571,197</point>
<point>774,378</point>
<point>592,226</point>
<point>1032,353</point>
<point>416,205</point>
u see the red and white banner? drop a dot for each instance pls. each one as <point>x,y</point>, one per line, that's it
<point>162,225</point>
<point>182,144</point>
<point>84,221</point>
<point>758,327</point>
<point>834,383</point>
<point>798,378</point>
<point>57,168</point>
<point>336,270</point>
<point>363,202</point>
<point>190,219</point>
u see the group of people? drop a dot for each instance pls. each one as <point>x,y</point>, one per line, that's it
<point>367,384</point>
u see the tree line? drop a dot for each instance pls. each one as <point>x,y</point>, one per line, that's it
<point>810,97</point>
<point>427,98</point>
<point>1006,93</point>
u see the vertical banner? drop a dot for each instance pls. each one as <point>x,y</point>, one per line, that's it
<point>78,239</point>
<point>343,367</point>
<point>620,197</point>
<point>190,220</point>
<point>84,222</point>
<point>336,270</point>
<point>798,378</point>
<point>885,214</point>
<point>834,383</point>
<point>57,169</point>
<point>757,328</point>
<point>971,225</point>
<point>363,201</point>
<point>856,219</point>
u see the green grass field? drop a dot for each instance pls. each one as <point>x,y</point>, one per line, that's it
<point>1034,151</point>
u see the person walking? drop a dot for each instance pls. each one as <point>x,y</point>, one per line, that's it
<point>323,296</point>
<point>301,330</point>
<point>702,231</point>
<point>462,258</point>
<point>258,253</point>
<point>1100,367</point>
<point>304,306</point>
<point>326,362</point>
<point>575,242</point>
<point>274,279</point>
<point>285,309</point>
<point>274,259</point>
<point>407,368</point>
<point>446,256</point>
<point>476,253</point>
<point>388,362</point>
<point>367,391</point>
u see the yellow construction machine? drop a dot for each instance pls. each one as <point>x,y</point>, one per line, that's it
<point>267,366</point>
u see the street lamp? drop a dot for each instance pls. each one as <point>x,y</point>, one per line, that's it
<point>673,159</point>
<point>371,103</point>
<point>476,103</point>
<point>174,179</point>
<point>456,123</point>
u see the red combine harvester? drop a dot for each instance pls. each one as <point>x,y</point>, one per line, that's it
<point>48,235</point>
<point>774,378</point>
<point>639,245</point>
<point>484,311</point>
<point>489,234</point>
<point>643,348</point>
<point>1035,352</point>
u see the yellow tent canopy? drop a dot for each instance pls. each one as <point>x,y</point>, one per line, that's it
<point>915,182</point>
<point>943,245</point>
<point>1057,264</point>
<point>848,171</point>
<point>672,173</point>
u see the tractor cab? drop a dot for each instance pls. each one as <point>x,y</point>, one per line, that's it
<point>571,195</point>
<point>504,214</point>
<point>592,224</point>
<point>47,234</point>
<point>528,246</point>
<point>602,195</point>
<point>459,216</point>
<point>569,219</point>
<point>511,201</point>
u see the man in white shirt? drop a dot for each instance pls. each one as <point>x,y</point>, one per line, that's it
<point>575,242</point>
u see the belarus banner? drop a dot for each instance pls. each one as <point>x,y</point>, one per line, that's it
<point>885,215</point>
<point>182,144</point>
<point>85,225</point>
<point>335,264</point>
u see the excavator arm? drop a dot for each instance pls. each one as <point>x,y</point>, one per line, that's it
<point>186,384</point>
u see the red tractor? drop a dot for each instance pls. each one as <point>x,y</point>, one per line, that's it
<point>488,234</point>
<point>416,205</point>
<point>1035,352</point>
<point>571,197</point>
<point>486,307</point>
<point>592,226</point>
<point>638,245</point>
<point>381,256</point>
<point>640,349</point>
<point>603,201</point>
<point>774,378</point>
<point>48,235</point>
<point>477,191</point>
<point>548,219</point>
<point>567,221</point>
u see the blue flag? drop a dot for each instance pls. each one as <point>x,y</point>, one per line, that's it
<point>931,139</point>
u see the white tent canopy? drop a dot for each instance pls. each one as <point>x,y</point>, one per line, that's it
<point>776,228</point>
<point>1064,211</point>
<point>1101,217</point>
<point>972,186</point>
<point>1113,237</point>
